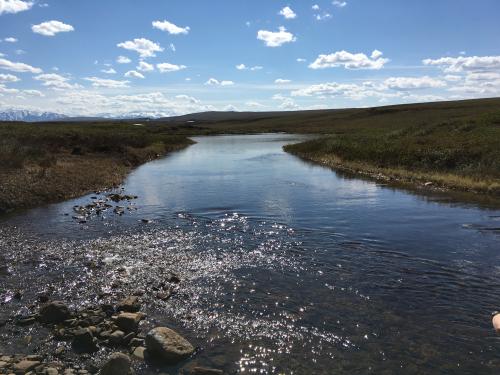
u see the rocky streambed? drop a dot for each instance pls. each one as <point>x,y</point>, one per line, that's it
<point>120,332</point>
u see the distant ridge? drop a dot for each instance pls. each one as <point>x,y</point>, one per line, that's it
<point>29,115</point>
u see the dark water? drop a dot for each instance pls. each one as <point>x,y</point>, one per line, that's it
<point>286,267</point>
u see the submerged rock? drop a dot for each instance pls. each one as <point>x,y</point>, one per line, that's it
<point>205,371</point>
<point>54,312</point>
<point>129,322</point>
<point>129,304</point>
<point>84,341</point>
<point>167,345</point>
<point>117,364</point>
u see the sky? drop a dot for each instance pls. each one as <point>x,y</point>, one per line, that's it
<point>170,57</point>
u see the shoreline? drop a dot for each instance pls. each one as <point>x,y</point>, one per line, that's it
<point>72,176</point>
<point>441,182</point>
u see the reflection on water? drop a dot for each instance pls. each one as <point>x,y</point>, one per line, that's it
<point>286,267</point>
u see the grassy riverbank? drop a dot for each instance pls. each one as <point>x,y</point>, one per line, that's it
<point>44,163</point>
<point>461,152</point>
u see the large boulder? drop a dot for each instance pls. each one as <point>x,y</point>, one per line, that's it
<point>54,312</point>
<point>117,364</point>
<point>168,346</point>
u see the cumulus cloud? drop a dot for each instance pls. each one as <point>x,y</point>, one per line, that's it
<point>14,6</point>
<point>51,28</point>
<point>315,7</point>
<point>134,74</point>
<point>350,61</point>
<point>288,13</point>
<point>123,60</point>
<point>410,83</point>
<point>18,67</point>
<point>109,71</point>
<point>170,28</point>
<point>33,93</point>
<point>339,4</point>
<point>107,83</point>
<point>462,63</point>
<point>282,81</point>
<point>276,38</point>
<point>215,82</point>
<point>10,40</point>
<point>167,67</point>
<point>8,78</point>
<point>6,90</point>
<point>322,17</point>
<point>187,98</point>
<point>56,81</point>
<point>252,68</point>
<point>144,47</point>
<point>145,67</point>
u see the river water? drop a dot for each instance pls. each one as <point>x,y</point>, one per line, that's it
<point>285,267</point>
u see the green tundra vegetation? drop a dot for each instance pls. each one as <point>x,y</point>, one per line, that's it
<point>454,145</point>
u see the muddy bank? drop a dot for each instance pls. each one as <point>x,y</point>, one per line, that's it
<point>70,176</point>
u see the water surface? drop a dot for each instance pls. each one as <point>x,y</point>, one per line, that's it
<point>286,267</point>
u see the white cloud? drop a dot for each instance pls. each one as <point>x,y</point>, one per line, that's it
<point>170,27</point>
<point>109,71</point>
<point>33,93</point>
<point>134,74</point>
<point>288,13</point>
<point>145,67</point>
<point>215,82</point>
<point>461,64</point>
<point>123,60</point>
<point>276,39</point>
<point>452,78</point>
<point>322,17</point>
<point>187,98</point>
<point>350,61</point>
<point>144,47</point>
<point>301,60</point>
<point>6,90</point>
<point>56,81</point>
<point>172,47</point>
<point>10,40</point>
<point>167,67</point>
<point>51,28</point>
<point>107,83</point>
<point>282,81</point>
<point>18,67</point>
<point>315,7</point>
<point>339,4</point>
<point>8,78</point>
<point>254,104</point>
<point>409,83</point>
<point>252,68</point>
<point>14,6</point>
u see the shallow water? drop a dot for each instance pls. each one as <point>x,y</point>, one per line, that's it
<point>286,267</point>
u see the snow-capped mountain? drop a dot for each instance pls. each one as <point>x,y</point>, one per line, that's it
<point>29,115</point>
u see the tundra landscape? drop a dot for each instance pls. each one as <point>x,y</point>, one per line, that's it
<point>258,187</point>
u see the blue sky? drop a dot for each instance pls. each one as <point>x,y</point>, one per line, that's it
<point>188,56</point>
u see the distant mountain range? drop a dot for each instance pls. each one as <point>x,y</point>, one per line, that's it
<point>39,116</point>
<point>29,116</point>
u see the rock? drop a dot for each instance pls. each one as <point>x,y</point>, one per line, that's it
<point>25,366</point>
<point>138,353</point>
<point>51,371</point>
<point>205,371</point>
<point>428,184</point>
<point>116,337</point>
<point>135,342</point>
<point>129,322</point>
<point>129,304</point>
<point>3,365</point>
<point>84,341</point>
<point>117,364</point>
<point>167,345</point>
<point>54,312</point>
